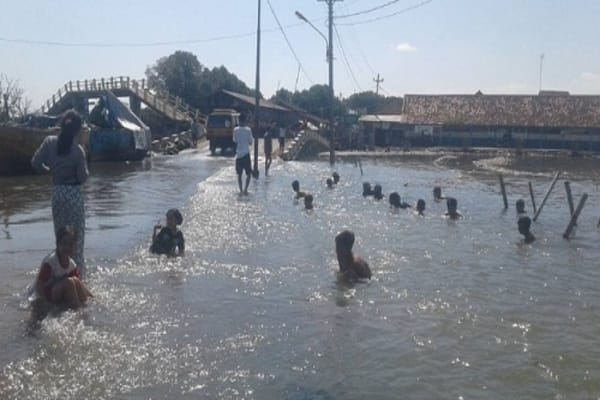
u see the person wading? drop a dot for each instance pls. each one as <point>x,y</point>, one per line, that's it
<point>65,159</point>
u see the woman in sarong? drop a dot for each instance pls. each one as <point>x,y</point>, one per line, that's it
<point>65,159</point>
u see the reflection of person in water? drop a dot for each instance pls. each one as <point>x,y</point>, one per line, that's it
<point>352,267</point>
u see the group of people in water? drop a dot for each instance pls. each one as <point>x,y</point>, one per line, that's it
<point>59,280</point>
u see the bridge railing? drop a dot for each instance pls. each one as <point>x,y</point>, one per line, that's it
<point>170,105</point>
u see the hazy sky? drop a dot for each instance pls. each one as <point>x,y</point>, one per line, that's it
<point>442,46</point>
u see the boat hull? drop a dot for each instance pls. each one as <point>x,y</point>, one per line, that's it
<point>17,146</point>
<point>114,145</point>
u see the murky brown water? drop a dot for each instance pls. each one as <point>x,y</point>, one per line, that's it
<point>455,310</point>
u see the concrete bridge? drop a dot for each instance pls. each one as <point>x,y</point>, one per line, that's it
<point>304,141</point>
<point>76,94</point>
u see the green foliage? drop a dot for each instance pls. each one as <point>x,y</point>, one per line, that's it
<point>364,102</point>
<point>182,75</point>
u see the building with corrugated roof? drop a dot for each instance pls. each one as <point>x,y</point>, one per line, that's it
<point>547,120</point>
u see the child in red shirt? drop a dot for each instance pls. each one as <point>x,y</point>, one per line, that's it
<point>58,280</point>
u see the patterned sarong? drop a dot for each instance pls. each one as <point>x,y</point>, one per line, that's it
<point>67,209</point>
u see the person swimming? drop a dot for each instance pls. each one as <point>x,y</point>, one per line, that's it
<point>377,194</point>
<point>524,224</point>
<point>329,183</point>
<point>351,267</point>
<point>437,193</point>
<point>308,201</point>
<point>367,189</point>
<point>296,188</point>
<point>396,201</point>
<point>421,207</point>
<point>336,178</point>
<point>451,205</point>
<point>520,207</point>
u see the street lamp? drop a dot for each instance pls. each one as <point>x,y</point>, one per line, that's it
<point>328,44</point>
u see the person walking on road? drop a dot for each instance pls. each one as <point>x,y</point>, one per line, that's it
<point>242,137</point>
<point>268,146</point>
<point>281,140</point>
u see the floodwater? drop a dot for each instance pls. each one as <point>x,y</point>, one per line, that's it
<point>456,309</point>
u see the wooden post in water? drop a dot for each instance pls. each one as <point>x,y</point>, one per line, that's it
<point>575,215</point>
<point>532,198</point>
<point>569,197</point>
<point>535,217</point>
<point>503,189</point>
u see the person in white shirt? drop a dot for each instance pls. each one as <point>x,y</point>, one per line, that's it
<point>242,137</point>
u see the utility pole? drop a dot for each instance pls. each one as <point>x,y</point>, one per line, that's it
<point>541,69</point>
<point>331,92</point>
<point>255,172</point>
<point>377,81</point>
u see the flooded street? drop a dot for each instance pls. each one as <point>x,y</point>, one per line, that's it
<point>455,309</point>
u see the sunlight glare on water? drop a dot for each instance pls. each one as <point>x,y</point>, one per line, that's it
<point>254,310</point>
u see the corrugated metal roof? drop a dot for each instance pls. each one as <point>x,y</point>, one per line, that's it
<point>398,118</point>
<point>565,110</point>
<point>250,100</point>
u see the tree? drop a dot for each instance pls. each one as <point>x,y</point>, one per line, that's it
<point>178,74</point>
<point>365,102</point>
<point>13,103</point>
<point>316,100</point>
<point>282,96</point>
<point>182,75</point>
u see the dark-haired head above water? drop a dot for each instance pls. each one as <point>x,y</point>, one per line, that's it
<point>452,205</point>
<point>524,225</point>
<point>336,177</point>
<point>437,193</point>
<point>308,201</point>
<point>520,206</point>
<point>351,267</point>
<point>367,189</point>
<point>377,192</point>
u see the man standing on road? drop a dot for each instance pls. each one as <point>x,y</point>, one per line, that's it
<point>242,137</point>
<point>268,146</point>
<point>281,140</point>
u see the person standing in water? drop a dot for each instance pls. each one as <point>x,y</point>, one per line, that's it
<point>65,159</point>
<point>524,224</point>
<point>242,137</point>
<point>268,146</point>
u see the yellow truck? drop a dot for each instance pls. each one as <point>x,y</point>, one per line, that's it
<point>219,128</point>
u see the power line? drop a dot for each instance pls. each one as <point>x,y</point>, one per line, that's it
<point>404,10</point>
<point>346,58</point>
<point>288,42</point>
<point>141,44</point>
<point>370,10</point>
<point>360,50</point>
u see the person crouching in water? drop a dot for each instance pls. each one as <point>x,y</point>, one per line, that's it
<point>58,280</point>
<point>524,224</point>
<point>421,207</point>
<point>396,202</point>
<point>377,192</point>
<point>308,202</point>
<point>296,189</point>
<point>351,267</point>
<point>336,178</point>
<point>451,205</point>
<point>166,240</point>
<point>437,193</point>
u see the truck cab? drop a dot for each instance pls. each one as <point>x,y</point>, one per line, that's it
<point>219,128</point>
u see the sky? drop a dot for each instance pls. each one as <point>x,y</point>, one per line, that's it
<point>415,46</point>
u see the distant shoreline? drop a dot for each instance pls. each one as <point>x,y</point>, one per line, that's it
<point>381,152</point>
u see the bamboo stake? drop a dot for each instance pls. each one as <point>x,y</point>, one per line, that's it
<point>569,196</point>
<point>360,166</point>
<point>546,196</point>
<point>503,189</point>
<point>532,197</point>
<point>574,217</point>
